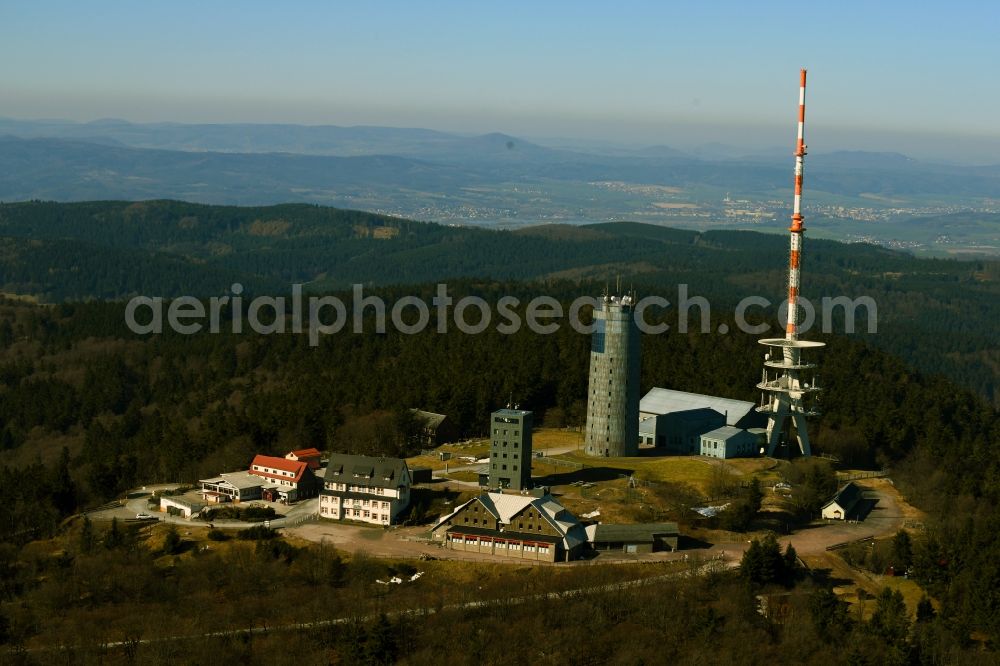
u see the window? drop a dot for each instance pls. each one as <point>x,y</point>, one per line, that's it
<point>515,468</point>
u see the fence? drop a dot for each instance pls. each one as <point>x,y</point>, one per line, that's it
<point>559,462</point>
<point>855,476</point>
<point>298,520</point>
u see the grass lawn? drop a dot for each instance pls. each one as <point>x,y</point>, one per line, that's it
<point>673,469</point>
<point>548,438</point>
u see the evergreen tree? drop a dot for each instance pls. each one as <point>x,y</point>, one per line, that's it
<point>381,645</point>
<point>63,487</point>
<point>790,562</point>
<point>113,537</point>
<point>902,551</point>
<point>890,621</point>
<point>87,538</point>
<point>172,541</point>
<point>828,613</point>
<point>925,610</point>
<point>755,495</point>
<point>762,562</point>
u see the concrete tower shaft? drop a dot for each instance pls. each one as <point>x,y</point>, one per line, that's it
<point>613,395</point>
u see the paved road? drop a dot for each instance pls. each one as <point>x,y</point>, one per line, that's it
<point>474,467</point>
<point>885,519</point>
<point>411,542</point>
<point>138,503</point>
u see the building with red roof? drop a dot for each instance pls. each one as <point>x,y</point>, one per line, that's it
<point>284,480</point>
<point>311,457</point>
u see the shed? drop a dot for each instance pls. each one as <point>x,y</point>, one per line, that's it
<point>728,442</point>
<point>638,538</point>
<point>180,506</point>
<point>843,503</point>
<point>679,432</point>
<point>421,474</point>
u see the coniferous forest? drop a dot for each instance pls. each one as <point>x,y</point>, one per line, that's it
<point>89,409</point>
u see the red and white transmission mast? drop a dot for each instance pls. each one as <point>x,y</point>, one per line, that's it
<point>783,383</point>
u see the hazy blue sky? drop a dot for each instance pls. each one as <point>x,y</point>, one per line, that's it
<point>636,71</point>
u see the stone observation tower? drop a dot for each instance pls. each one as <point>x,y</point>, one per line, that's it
<point>613,394</point>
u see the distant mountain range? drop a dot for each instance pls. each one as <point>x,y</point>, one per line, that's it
<point>486,179</point>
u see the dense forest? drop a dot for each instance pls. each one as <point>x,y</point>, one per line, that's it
<point>938,315</point>
<point>117,595</point>
<point>89,409</point>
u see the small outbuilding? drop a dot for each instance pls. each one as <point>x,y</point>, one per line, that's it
<point>639,538</point>
<point>421,475</point>
<point>843,503</point>
<point>728,442</point>
<point>180,506</point>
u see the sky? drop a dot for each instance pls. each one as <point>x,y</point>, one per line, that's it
<point>910,76</point>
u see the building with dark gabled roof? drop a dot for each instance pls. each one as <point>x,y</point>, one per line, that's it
<point>525,527</point>
<point>363,488</point>
<point>435,429</point>
<point>633,538</point>
<point>843,503</point>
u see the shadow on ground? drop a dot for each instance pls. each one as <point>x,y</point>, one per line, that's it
<point>586,475</point>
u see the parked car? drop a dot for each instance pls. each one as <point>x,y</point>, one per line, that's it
<point>143,516</point>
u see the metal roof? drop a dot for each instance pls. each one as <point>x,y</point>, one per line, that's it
<point>238,480</point>
<point>847,496</point>
<point>193,505</point>
<point>638,533</point>
<point>725,433</point>
<point>430,420</point>
<point>511,412</point>
<point>668,401</point>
